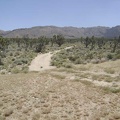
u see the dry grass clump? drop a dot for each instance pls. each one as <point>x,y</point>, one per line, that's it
<point>111,89</point>
<point>110,67</point>
<point>86,82</point>
<point>105,78</point>
<point>110,71</point>
<point>58,76</point>
<point>84,75</point>
<point>83,68</point>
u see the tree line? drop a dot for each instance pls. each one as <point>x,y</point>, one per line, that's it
<point>38,44</point>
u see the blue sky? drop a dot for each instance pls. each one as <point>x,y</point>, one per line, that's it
<point>78,13</point>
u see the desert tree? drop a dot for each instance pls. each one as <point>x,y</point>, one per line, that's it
<point>87,41</point>
<point>92,40</point>
<point>58,39</point>
<point>115,42</point>
<point>100,42</point>
<point>40,46</point>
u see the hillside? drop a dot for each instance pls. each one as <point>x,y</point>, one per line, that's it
<point>68,32</point>
<point>2,32</point>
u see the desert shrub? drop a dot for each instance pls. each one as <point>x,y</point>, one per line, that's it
<point>80,55</point>
<point>56,63</point>
<point>67,65</point>
<point>18,62</point>
<point>21,61</point>
<point>1,63</point>
<point>110,71</point>
<point>13,59</point>
<point>15,70</point>
<point>109,56</point>
<point>89,56</point>
<point>79,61</point>
<point>115,90</point>
<point>117,56</point>
<point>25,69</point>
<point>110,89</point>
<point>24,61</point>
<point>11,54</point>
<point>57,60</point>
<point>73,57</point>
<point>17,54</point>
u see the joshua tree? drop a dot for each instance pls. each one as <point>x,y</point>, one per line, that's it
<point>59,39</point>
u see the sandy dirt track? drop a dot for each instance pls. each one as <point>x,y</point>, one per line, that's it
<point>41,62</point>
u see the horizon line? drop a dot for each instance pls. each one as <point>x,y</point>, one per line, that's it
<point>57,26</point>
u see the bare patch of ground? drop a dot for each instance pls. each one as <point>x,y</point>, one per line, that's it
<point>60,94</point>
<point>41,62</point>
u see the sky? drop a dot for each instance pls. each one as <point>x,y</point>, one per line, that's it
<point>16,14</point>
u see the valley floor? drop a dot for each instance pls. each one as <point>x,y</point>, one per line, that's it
<point>62,94</point>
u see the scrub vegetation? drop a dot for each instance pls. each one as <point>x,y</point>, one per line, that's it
<point>83,85</point>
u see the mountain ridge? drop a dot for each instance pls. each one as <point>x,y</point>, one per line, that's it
<point>67,32</point>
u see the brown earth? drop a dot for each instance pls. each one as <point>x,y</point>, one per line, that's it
<point>58,94</point>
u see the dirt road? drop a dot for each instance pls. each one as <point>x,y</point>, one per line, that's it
<point>41,62</point>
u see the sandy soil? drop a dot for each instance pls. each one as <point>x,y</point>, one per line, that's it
<point>41,62</point>
<point>48,96</point>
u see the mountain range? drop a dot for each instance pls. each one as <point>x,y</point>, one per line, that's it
<point>67,32</point>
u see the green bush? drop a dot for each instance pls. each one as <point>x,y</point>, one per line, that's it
<point>15,70</point>
<point>78,61</point>
<point>109,56</point>
<point>89,56</point>
<point>25,69</point>
<point>21,61</point>
<point>117,56</point>
<point>67,65</point>
<point>72,58</point>
<point>1,63</point>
